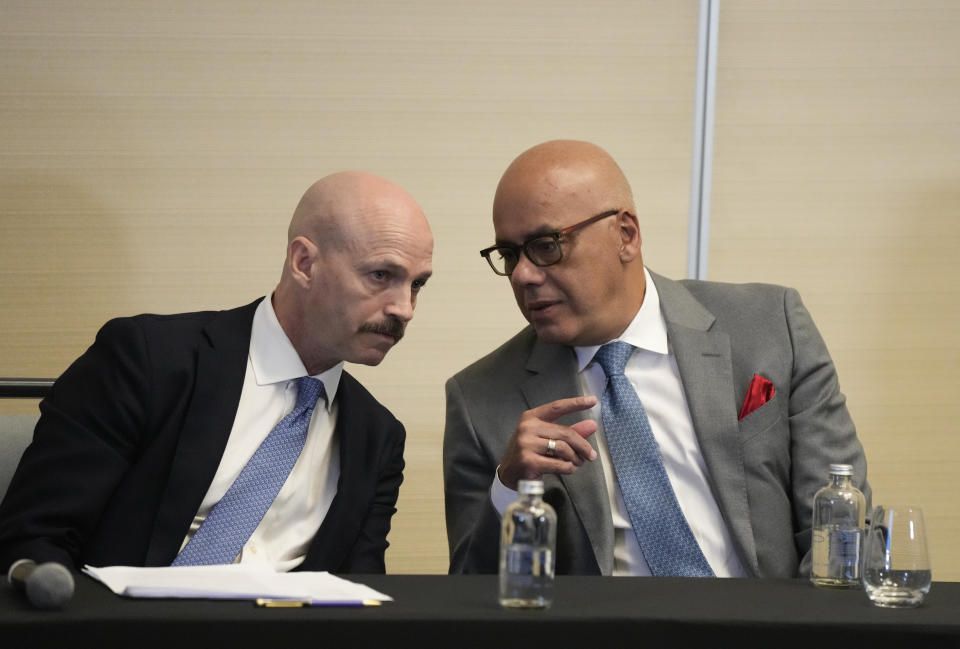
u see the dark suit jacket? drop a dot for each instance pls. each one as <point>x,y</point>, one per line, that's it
<point>763,470</point>
<point>131,435</point>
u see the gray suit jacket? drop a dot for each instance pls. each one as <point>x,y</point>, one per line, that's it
<point>763,470</point>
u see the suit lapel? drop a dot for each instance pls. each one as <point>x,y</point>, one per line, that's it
<point>330,546</point>
<point>218,382</point>
<point>706,371</point>
<point>554,376</point>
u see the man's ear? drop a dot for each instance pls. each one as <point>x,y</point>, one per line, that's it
<point>301,254</point>
<point>630,241</point>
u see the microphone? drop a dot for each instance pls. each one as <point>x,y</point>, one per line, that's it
<point>47,586</point>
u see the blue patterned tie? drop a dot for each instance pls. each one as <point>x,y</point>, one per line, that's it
<point>232,520</point>
<point>668,545</point>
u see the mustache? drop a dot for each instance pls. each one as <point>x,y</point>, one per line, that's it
<point>390,327</point>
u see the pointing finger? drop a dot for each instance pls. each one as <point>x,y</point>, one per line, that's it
<point>555,409</point>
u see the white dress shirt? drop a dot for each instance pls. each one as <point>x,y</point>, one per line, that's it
<point>653,372</point>
<point>269,394</point>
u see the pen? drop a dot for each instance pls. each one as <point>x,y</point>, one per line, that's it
<point>301,603</point>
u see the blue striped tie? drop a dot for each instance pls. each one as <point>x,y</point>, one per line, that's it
<point>232,520</point>
<point>668,545</point>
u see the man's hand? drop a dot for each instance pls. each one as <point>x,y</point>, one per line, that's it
<point>540,446</point>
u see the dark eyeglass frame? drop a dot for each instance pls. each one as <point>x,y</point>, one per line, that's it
<point>556,236</point>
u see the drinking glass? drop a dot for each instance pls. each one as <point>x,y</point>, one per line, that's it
<point>896,567</point>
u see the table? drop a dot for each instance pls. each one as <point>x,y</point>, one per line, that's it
<point>461,611</point>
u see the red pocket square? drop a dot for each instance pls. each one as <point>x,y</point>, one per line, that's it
<point>759,392</point>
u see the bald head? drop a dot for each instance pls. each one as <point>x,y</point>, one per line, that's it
<point>332,209</point>
<point>573,191</point>
<point>560,170</point>
<point>359,250</point>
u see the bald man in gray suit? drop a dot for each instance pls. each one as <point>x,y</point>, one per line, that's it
<point>741,393</point>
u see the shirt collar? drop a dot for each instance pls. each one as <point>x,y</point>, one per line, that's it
<point>647,330</point>
<point>275,360</point>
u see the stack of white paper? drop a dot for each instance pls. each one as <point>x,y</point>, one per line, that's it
<point>235,581</point>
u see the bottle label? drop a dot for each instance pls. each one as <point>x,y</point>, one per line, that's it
<point>836,553</point>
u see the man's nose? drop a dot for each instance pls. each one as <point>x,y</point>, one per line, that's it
<point>526,272</point>
<point>401,306</point>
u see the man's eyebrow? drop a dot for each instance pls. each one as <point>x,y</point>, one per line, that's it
<point>387,261</point>
<point>398,267</point>
<point>539,232</point>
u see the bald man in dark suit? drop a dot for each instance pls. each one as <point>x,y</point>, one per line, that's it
<point>141,437</point>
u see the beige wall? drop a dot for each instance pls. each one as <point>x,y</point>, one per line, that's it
<point>837,170</point>
<point>153,152</point>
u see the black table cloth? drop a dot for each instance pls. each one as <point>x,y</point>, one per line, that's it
<point>462,611</point>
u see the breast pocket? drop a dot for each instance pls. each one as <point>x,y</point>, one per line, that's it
<point>765,443</point>
<point>760,420</point>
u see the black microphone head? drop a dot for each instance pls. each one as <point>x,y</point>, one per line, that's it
<point>49,586</point>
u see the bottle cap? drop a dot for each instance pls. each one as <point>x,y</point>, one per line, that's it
<point>530,487</point>
<point>841,469</point>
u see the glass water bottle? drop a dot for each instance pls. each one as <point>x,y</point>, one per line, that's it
<point>838,523</point>
<point>527,542</point>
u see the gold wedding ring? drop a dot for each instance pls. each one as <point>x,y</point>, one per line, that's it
<point>551,448</point>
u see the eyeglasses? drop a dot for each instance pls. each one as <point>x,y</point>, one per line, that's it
<point>542,249</point>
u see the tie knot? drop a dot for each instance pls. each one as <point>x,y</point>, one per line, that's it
<point>613,357</point>
<point>309,390</point>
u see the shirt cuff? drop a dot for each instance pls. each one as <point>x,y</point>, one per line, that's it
<point>501,496</point>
